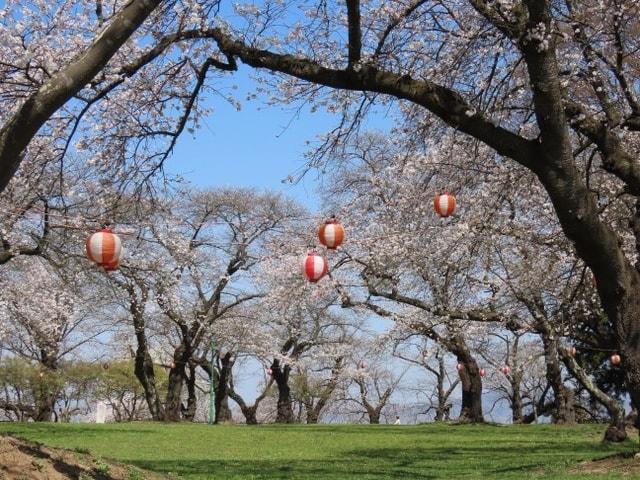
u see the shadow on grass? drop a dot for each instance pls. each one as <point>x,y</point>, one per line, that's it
<point>272,470</point>
<point>509,461</point>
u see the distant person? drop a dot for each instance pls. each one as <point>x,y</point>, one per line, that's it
<point>397,422</point>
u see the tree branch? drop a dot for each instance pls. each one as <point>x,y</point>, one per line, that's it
<point>18,131</point>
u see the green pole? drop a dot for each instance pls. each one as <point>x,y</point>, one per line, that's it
<point>212,390</point>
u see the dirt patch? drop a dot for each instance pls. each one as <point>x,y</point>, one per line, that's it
<point>627,465</point>
<point>22,460</point>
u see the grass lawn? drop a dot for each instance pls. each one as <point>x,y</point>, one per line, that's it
<point>329,452</point>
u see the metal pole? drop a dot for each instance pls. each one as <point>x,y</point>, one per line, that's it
<point>212,390</point>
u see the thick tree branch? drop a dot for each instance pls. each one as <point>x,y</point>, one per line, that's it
<point>18,131</point>
<point>355,33</point>
<point>447,104</point>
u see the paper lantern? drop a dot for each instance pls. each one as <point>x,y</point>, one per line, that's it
<point>104,248</point>
<point>331,234</point>
<point>615,359</point>
<point>460,367</point>
<point>572,351</point>
<point>269,371</point>
<point>505,370</point>
<point>482,372</point>
<point>444,204</point>
<point>314,267</point>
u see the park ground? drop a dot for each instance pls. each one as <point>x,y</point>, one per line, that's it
<point>327,452</point>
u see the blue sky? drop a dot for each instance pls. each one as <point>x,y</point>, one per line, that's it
<point>258,146</point>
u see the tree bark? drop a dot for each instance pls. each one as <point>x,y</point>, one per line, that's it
<point>374,416</point>
<point>517,414</point>
<point>143,363</point>
<point>192,398</point>
<point>563,411</point>
<point>46,392</point>
<point>285,405</point>
<point>470,379</point>
<point>173,403</point>
<point>223,412</point>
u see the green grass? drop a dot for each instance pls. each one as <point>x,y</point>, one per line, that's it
<point>332,452</point>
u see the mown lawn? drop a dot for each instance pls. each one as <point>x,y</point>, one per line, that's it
<point>336,451</point>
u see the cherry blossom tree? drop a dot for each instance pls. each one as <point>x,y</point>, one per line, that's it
<point>46,322</point>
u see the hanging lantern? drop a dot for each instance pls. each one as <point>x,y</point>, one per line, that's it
<point>615,359</point>
<point>331,234</point>
<point>269,371</point>
<point>572,351</point>
<point>460,367</point>
<point>505,370</point>
<point>444,204</point>
<point>104,248</point>
<point>482,372</point>
<point>314,266</point>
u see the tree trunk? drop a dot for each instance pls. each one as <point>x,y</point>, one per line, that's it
<point>223,412</point>
<point>46,392</point>
<point>517,414</point>
<point>248,411</point>
<point>173,403</point>
<point>563,411</point>
<point>285,405</point>
<point>143,364</point>
<point>250,416</point>
<point>374,416</point>
<point>146,376</point>
<point>44,403</point>
<point>471,381</point>
<point>471,409</point>
<point>312,415</point>
<point>192,398</point>
<point>442,406</point>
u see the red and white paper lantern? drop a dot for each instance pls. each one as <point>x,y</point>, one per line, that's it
<point>314,266</point>
<point>572,351</point>
<point>615,359</point>
<point>482,372</point>
<point>505,370</point>
<point>460,367</point>
<point>444,204</point>
<point>331,234</point>
<point>104,248</point>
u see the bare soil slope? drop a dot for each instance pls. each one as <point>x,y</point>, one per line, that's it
<point>21,460</point>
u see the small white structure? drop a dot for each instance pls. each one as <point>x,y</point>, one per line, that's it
<point>101,412</point>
